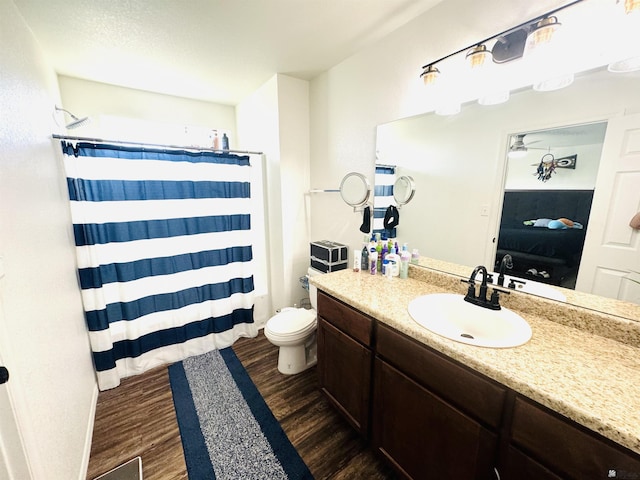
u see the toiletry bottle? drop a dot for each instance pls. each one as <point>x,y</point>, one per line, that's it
<point>357,260</point>
<point>379,252</point>
<point>387,269</point>
<point>373,261</point>
<point>396,248</point>
<point>225,142</point>
<point>405,256</point>
<point>394,263</point>
<point>216,141</point>
<point>385,251</point>
<point>415,256</point>
<point>364,263</point>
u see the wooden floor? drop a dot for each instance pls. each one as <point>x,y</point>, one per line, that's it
<point>138,419</point>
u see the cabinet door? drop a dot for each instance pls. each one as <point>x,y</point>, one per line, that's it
<point>344,374</point>
<point>566,448</point>
<point>518,466</point>
<point>424,437</point>
<point>476,395</point>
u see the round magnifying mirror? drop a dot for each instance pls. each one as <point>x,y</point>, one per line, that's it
<point>403,190</point>
<point>355,189</point>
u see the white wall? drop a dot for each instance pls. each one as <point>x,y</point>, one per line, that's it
<point>257,120</point>
<point>520,171</point>
<point>275,120</point>
<point>43,337</point>
<point>381,84</point>
<point>99,100</point>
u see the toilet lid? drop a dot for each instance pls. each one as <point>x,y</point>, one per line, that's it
<point>291,320</point>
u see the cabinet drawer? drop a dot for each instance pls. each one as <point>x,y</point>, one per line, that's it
<point>476,395</point>
<point>566,447</point>
<point>350,321</point>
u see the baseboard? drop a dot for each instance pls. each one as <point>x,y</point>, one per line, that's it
<point>89,434</point>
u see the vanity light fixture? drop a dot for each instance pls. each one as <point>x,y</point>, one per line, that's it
<point>631,6</point>
<point>543,32</point>
<point>630,60</point>
<point>508,46</point>
<point>430,75</point>
<point>494,98</point>
<point>631,64</point>
<point>478,56</point>
<point>555,83</point>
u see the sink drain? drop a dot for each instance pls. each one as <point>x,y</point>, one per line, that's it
<point>466,335</point>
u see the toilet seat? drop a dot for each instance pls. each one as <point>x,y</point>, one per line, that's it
<point>291,322</point>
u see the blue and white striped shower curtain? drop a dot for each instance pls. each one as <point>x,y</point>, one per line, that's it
<point>383,197</point>
<point>164,253</point>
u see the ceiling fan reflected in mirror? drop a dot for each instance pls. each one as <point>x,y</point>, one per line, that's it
<point>519,148</point>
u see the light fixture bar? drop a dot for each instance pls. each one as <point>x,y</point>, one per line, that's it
<point>512,29</point>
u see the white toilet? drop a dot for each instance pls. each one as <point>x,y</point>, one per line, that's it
<point>294,331</point>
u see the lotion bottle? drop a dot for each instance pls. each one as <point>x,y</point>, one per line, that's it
<point>405,256</point>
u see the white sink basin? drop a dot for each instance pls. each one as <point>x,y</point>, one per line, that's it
<point>450,316</point>
<point>532,287</point>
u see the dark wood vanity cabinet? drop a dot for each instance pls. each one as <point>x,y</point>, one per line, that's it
<point>545,445</point>
<point>345,359</point>
<point>432,418</point>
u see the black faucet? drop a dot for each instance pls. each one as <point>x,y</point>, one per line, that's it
<point>481,299</point>
<point>506,262</point>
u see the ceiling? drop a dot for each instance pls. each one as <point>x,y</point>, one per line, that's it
<point>584,134</point>
<point>213,50</point>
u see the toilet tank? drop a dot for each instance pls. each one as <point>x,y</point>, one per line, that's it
<point>313,290</point>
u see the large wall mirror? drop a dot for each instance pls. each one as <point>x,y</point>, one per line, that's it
<point>461,171</point>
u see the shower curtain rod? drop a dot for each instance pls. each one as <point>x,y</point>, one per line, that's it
<point>120,142</point>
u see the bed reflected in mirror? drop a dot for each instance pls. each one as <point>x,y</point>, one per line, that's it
<point>551,176</point>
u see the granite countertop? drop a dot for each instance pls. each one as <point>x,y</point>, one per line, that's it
<point>585,376</point>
